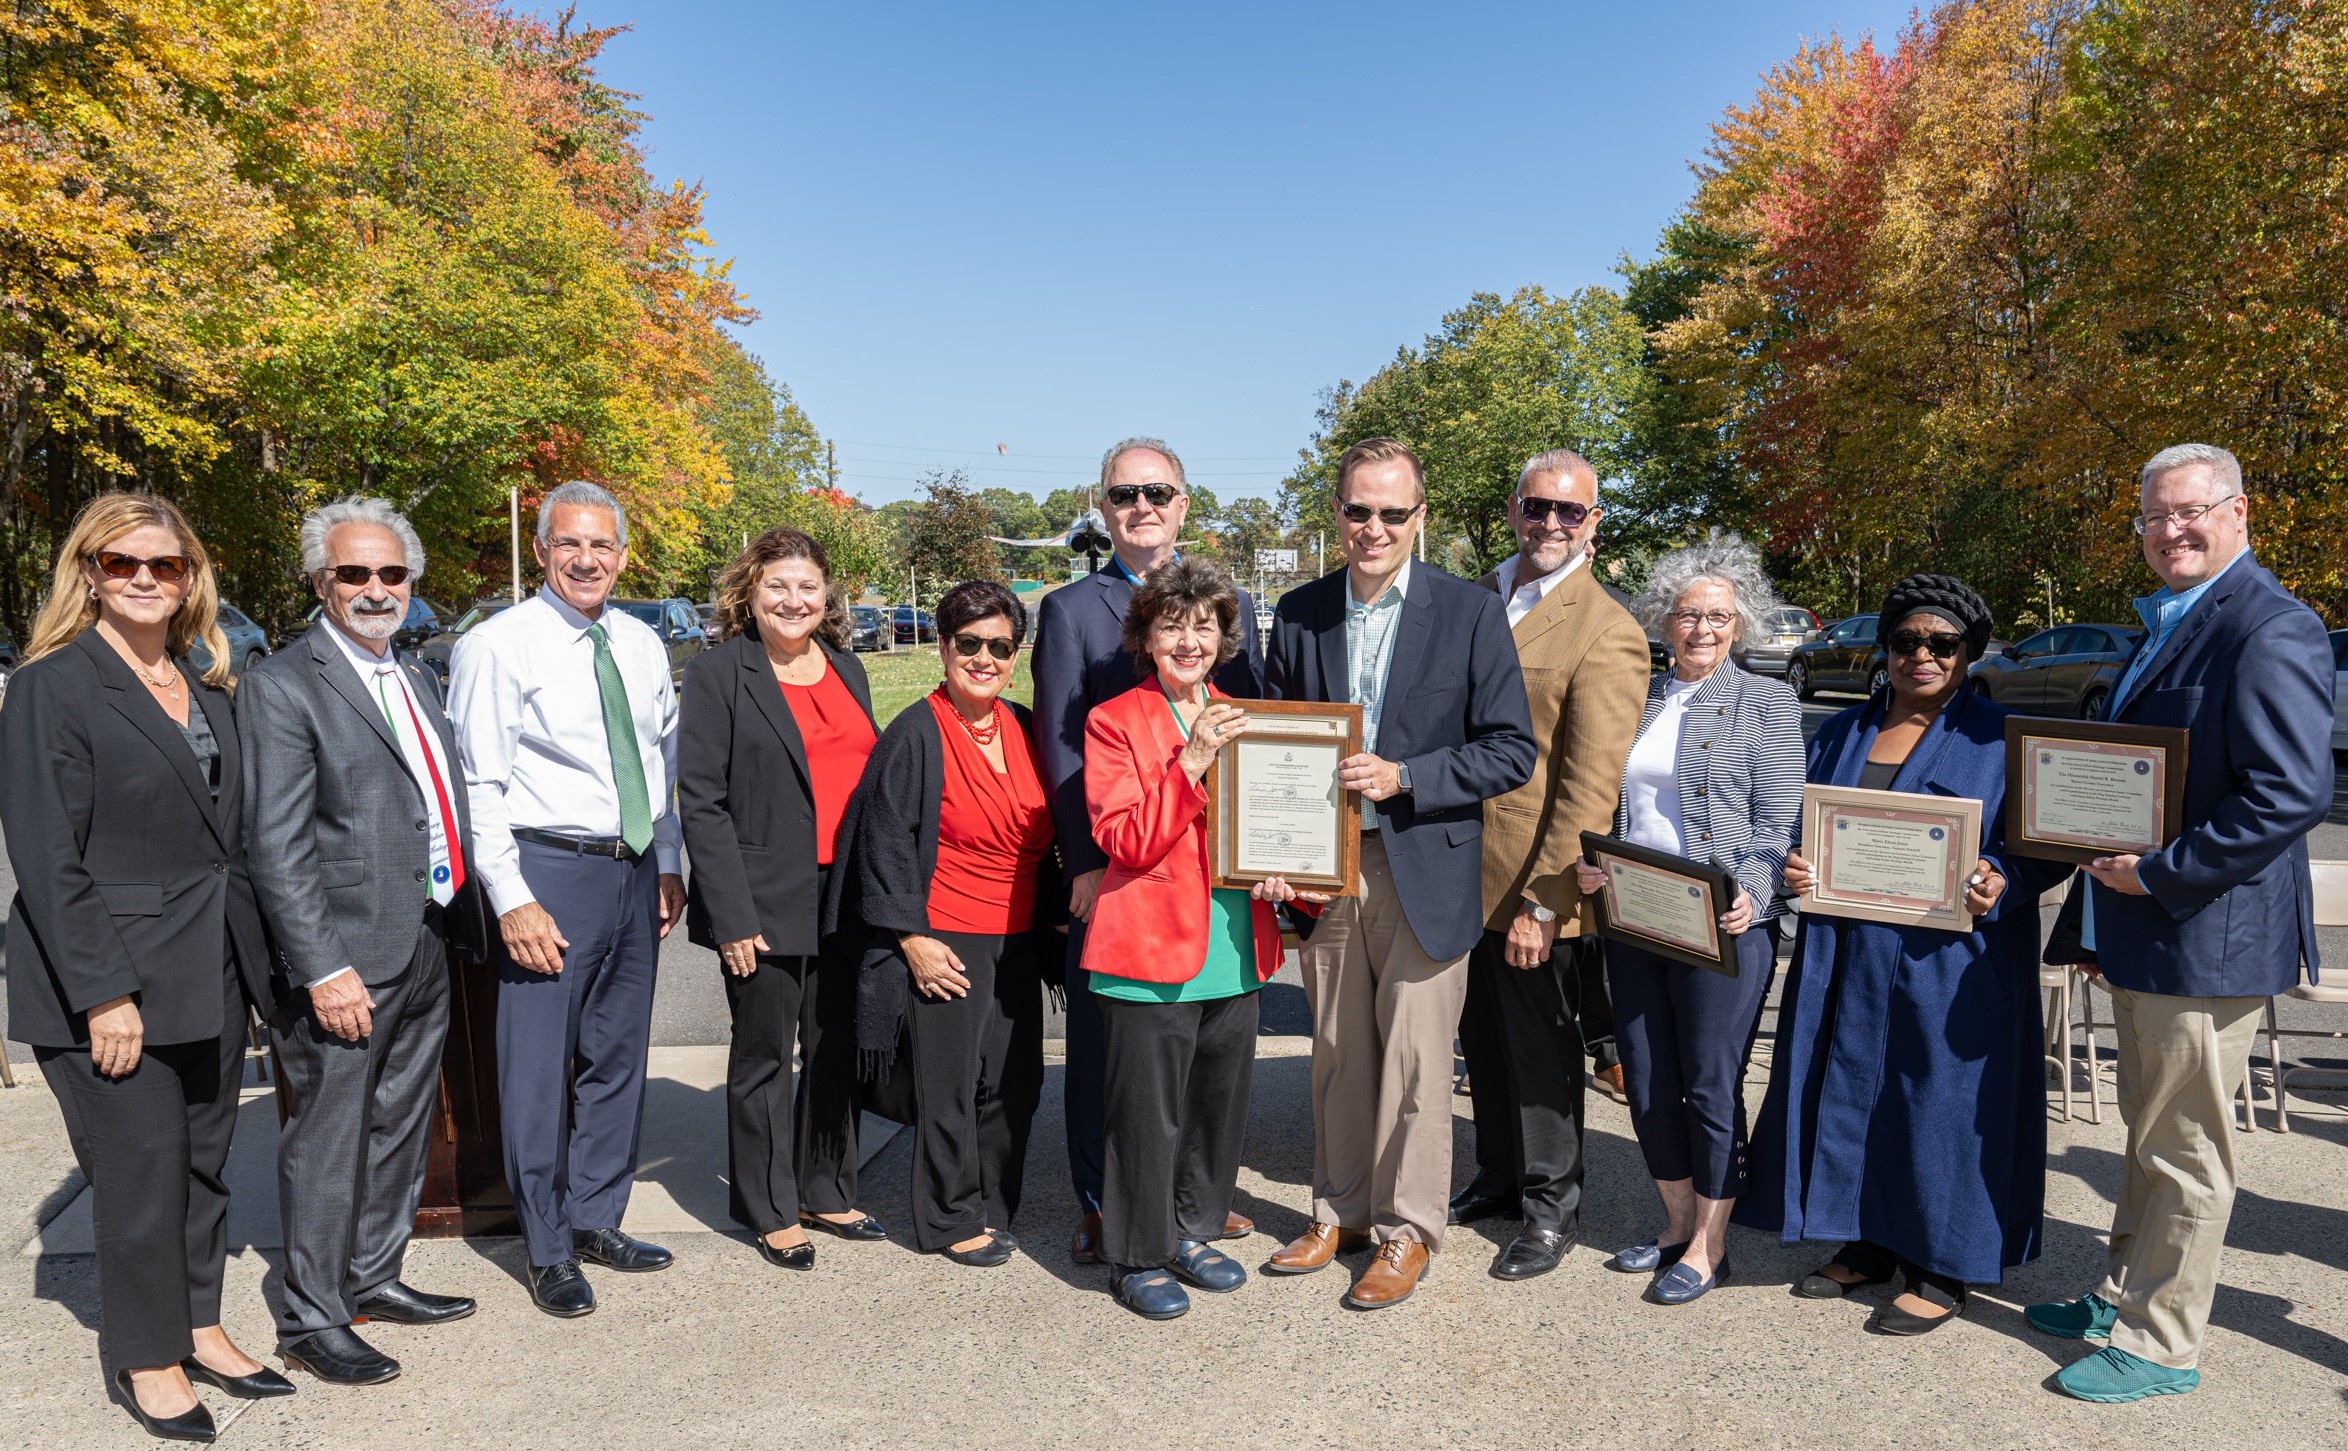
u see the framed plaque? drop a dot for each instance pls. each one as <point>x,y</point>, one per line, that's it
<point>2081,789</point>
<point>1668,905</point>
<point>1274,808</point>
<point>1890,856</point>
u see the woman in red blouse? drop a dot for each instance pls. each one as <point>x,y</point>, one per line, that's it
<point>776,726</point>
<point>952,829</point>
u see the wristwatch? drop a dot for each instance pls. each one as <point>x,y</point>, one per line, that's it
<point>1536,911</point>
<point>1402,775</point>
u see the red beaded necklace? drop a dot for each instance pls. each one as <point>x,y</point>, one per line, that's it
<point>982,734</point>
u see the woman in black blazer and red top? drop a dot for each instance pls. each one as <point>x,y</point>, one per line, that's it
<point>776,726</point>
<point>136,942</point>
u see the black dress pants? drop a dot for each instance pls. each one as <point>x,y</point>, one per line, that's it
<point>781,1158</point>
<point>976,1071</point>
<point>1176,1081</point>
<point>1521,1032</point>
<point>1687,1033</point>
<point>153,1144</point>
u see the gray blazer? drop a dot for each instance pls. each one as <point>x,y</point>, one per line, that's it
<point>335,825</point>
<point>1741,768</point>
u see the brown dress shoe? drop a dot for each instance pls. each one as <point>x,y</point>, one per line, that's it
<point>1237,1225</point>
<point>1084,1246</point>
<point>1391,1276</point>
<point>1608,1080</point>
<point>1313,1249</point>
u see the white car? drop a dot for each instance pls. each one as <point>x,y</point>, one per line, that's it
<point>2340,690</point>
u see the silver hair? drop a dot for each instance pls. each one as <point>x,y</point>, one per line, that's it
<point>1555,461</point>
<point>1136,444</point>
<point>2227,468</point>
<point>580,494</point>
<point>357,509</point>
<point>1722,559</point>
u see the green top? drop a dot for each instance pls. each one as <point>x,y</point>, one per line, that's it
<point>1230,968</point>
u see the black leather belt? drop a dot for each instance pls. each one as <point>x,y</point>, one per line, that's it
<point>610,846</point>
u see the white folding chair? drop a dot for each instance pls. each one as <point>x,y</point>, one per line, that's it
<point>2331,910</point>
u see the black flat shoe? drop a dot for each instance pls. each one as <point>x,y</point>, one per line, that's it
<point>340,1357</point>
<point>867,1228</point>
<point>403,1305</point>
<point>997,1250</point>
<point>1468,1206</point>
<point>1532,1252</point>
<point>614,1250</point>
<point>1892,1320</point>
<point>259,1386</point>
<point>561,1289</point>
<point>1823,1286</point>
<point>798,1257</point>
<point>195,1425</point>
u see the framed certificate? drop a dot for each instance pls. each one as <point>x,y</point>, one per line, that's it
<point>2077,790</point>
<point>1669,905</point>
<point>1274,808</point>
<point>1890,856</point>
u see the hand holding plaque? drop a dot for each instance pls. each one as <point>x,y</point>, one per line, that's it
<point>2079,790</point>
<point>1890,856</point>
<point>1274,805</point>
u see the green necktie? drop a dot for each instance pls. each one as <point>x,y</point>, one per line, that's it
<point>619,734</point>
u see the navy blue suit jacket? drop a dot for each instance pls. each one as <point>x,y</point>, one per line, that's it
<point>1455,713</point>
<point>1080,661</point>
<point>2249,674</point>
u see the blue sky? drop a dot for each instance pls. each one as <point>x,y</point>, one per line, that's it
<point>1049,226</point>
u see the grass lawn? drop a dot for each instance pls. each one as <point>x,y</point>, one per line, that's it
<point>905,676</point>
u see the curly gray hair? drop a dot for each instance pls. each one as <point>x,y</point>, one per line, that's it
<point>1720,559</point>
<point>357,509</point>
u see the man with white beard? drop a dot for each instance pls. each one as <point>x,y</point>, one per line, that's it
<point>356,821</point>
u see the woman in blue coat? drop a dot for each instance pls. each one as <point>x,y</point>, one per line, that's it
<point>1906,1112</point>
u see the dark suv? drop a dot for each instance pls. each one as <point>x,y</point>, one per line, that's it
<point>678,623</point>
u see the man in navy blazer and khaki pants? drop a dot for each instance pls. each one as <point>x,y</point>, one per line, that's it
<point>1430,660</point>
<point>2194,938</point>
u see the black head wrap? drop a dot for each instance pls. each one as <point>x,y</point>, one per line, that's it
<point>1944,595</point>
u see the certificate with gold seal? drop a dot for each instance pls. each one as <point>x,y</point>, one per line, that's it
<point>2078,790</point>
<point>1890,856</point>
<point>1669,905</point>
<point>1274,808</point>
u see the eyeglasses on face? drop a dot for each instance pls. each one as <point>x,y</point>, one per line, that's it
<point>1944,644</point>
<point>166,568</point>
<point>1124,496</point>
<point>1391,518</point>
<point>968,645</point>
<point>2146,523</point>
<point>356,575</point>
<point>1569,514</point>
<point>1717,619</point>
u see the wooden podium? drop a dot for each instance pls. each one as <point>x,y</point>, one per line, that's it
<point>464,1168</point>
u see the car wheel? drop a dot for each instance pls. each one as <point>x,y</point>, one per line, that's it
<point>2092,707</point>
<point>1878,680</point>
<point>1797,675</point>
<point>252,658</point>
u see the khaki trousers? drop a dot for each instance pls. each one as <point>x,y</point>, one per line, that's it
<point>1383,1018</point>
<point>2181,1061</point>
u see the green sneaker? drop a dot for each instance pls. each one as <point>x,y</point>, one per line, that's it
<point>2111,1376</point>
<point>2086,1318</point>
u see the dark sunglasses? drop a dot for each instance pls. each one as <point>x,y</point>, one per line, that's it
<point>358,574</point>
<point>1391,518</point>
<point>995,645</point>
<point>1123,496</point>
<point>1537,511</point>
<point>1944,644</point>
<point>167,568</point>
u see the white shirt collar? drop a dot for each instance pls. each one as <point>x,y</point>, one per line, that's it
<point>366,664</point>
<point>1511,566</point>
<point>1399,586</point>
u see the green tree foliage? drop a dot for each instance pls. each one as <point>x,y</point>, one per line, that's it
<point>946,535</point>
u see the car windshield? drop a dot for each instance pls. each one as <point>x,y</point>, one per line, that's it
<point>865,614</point>
<point>1789,621</point>
<point>649,611</point>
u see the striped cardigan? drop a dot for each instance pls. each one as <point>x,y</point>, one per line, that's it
<point>1740,779</point>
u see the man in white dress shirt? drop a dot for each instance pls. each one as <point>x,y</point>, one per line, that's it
<point>567,722</point>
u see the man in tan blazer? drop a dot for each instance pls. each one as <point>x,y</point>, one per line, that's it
<point>1585,668</point>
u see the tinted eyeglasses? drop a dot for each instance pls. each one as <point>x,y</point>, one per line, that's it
<point>995,645</point>
<point>355,575</point>
<point>1391,518</point>
<point>1124,496</point>
<point>1538,511</point>
<point>1944,644</point>
<point>167,568</point>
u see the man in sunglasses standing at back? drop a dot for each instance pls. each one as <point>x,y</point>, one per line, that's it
<point>1430,661</point>
<point>1080,662</point>
<point>355,827</point>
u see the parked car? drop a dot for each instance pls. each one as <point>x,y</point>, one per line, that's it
<point>2069,670</point>
<point>914,627</point>
<point>248,645</point>
<point>677,622</point>
<point>7,659</point>
<point>435,651</point>
<point>1843,657</point>
<point>708,624</point>
<point>1783,631</point>
<point>2340,692</point>
<point>864,627</point>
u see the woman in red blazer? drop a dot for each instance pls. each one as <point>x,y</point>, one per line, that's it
<point>1175,964</point>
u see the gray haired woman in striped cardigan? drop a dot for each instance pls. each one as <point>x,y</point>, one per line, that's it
<point>1715,774</point>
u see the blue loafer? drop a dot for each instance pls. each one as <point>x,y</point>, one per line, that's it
<point>1645,1259</point>
<point>2113,1376</point>
<point>1206,1267</point>
<point>2090,1317</point>
<point>1679,1284</point>
<point>1148,1292</point>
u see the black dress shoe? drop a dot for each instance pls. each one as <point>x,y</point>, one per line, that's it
<point>1532,1252</point>
<point>195,1425</point>
<point>561,1289</point>
<point>864,1228</point>
<point>1471,1204</point>
<point>618,1251</point>
<point>402,1305</point>
<point>997,1250</point>
<point>340,1356</point>
<point>800,1256</point>
<point>259,1386</point>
